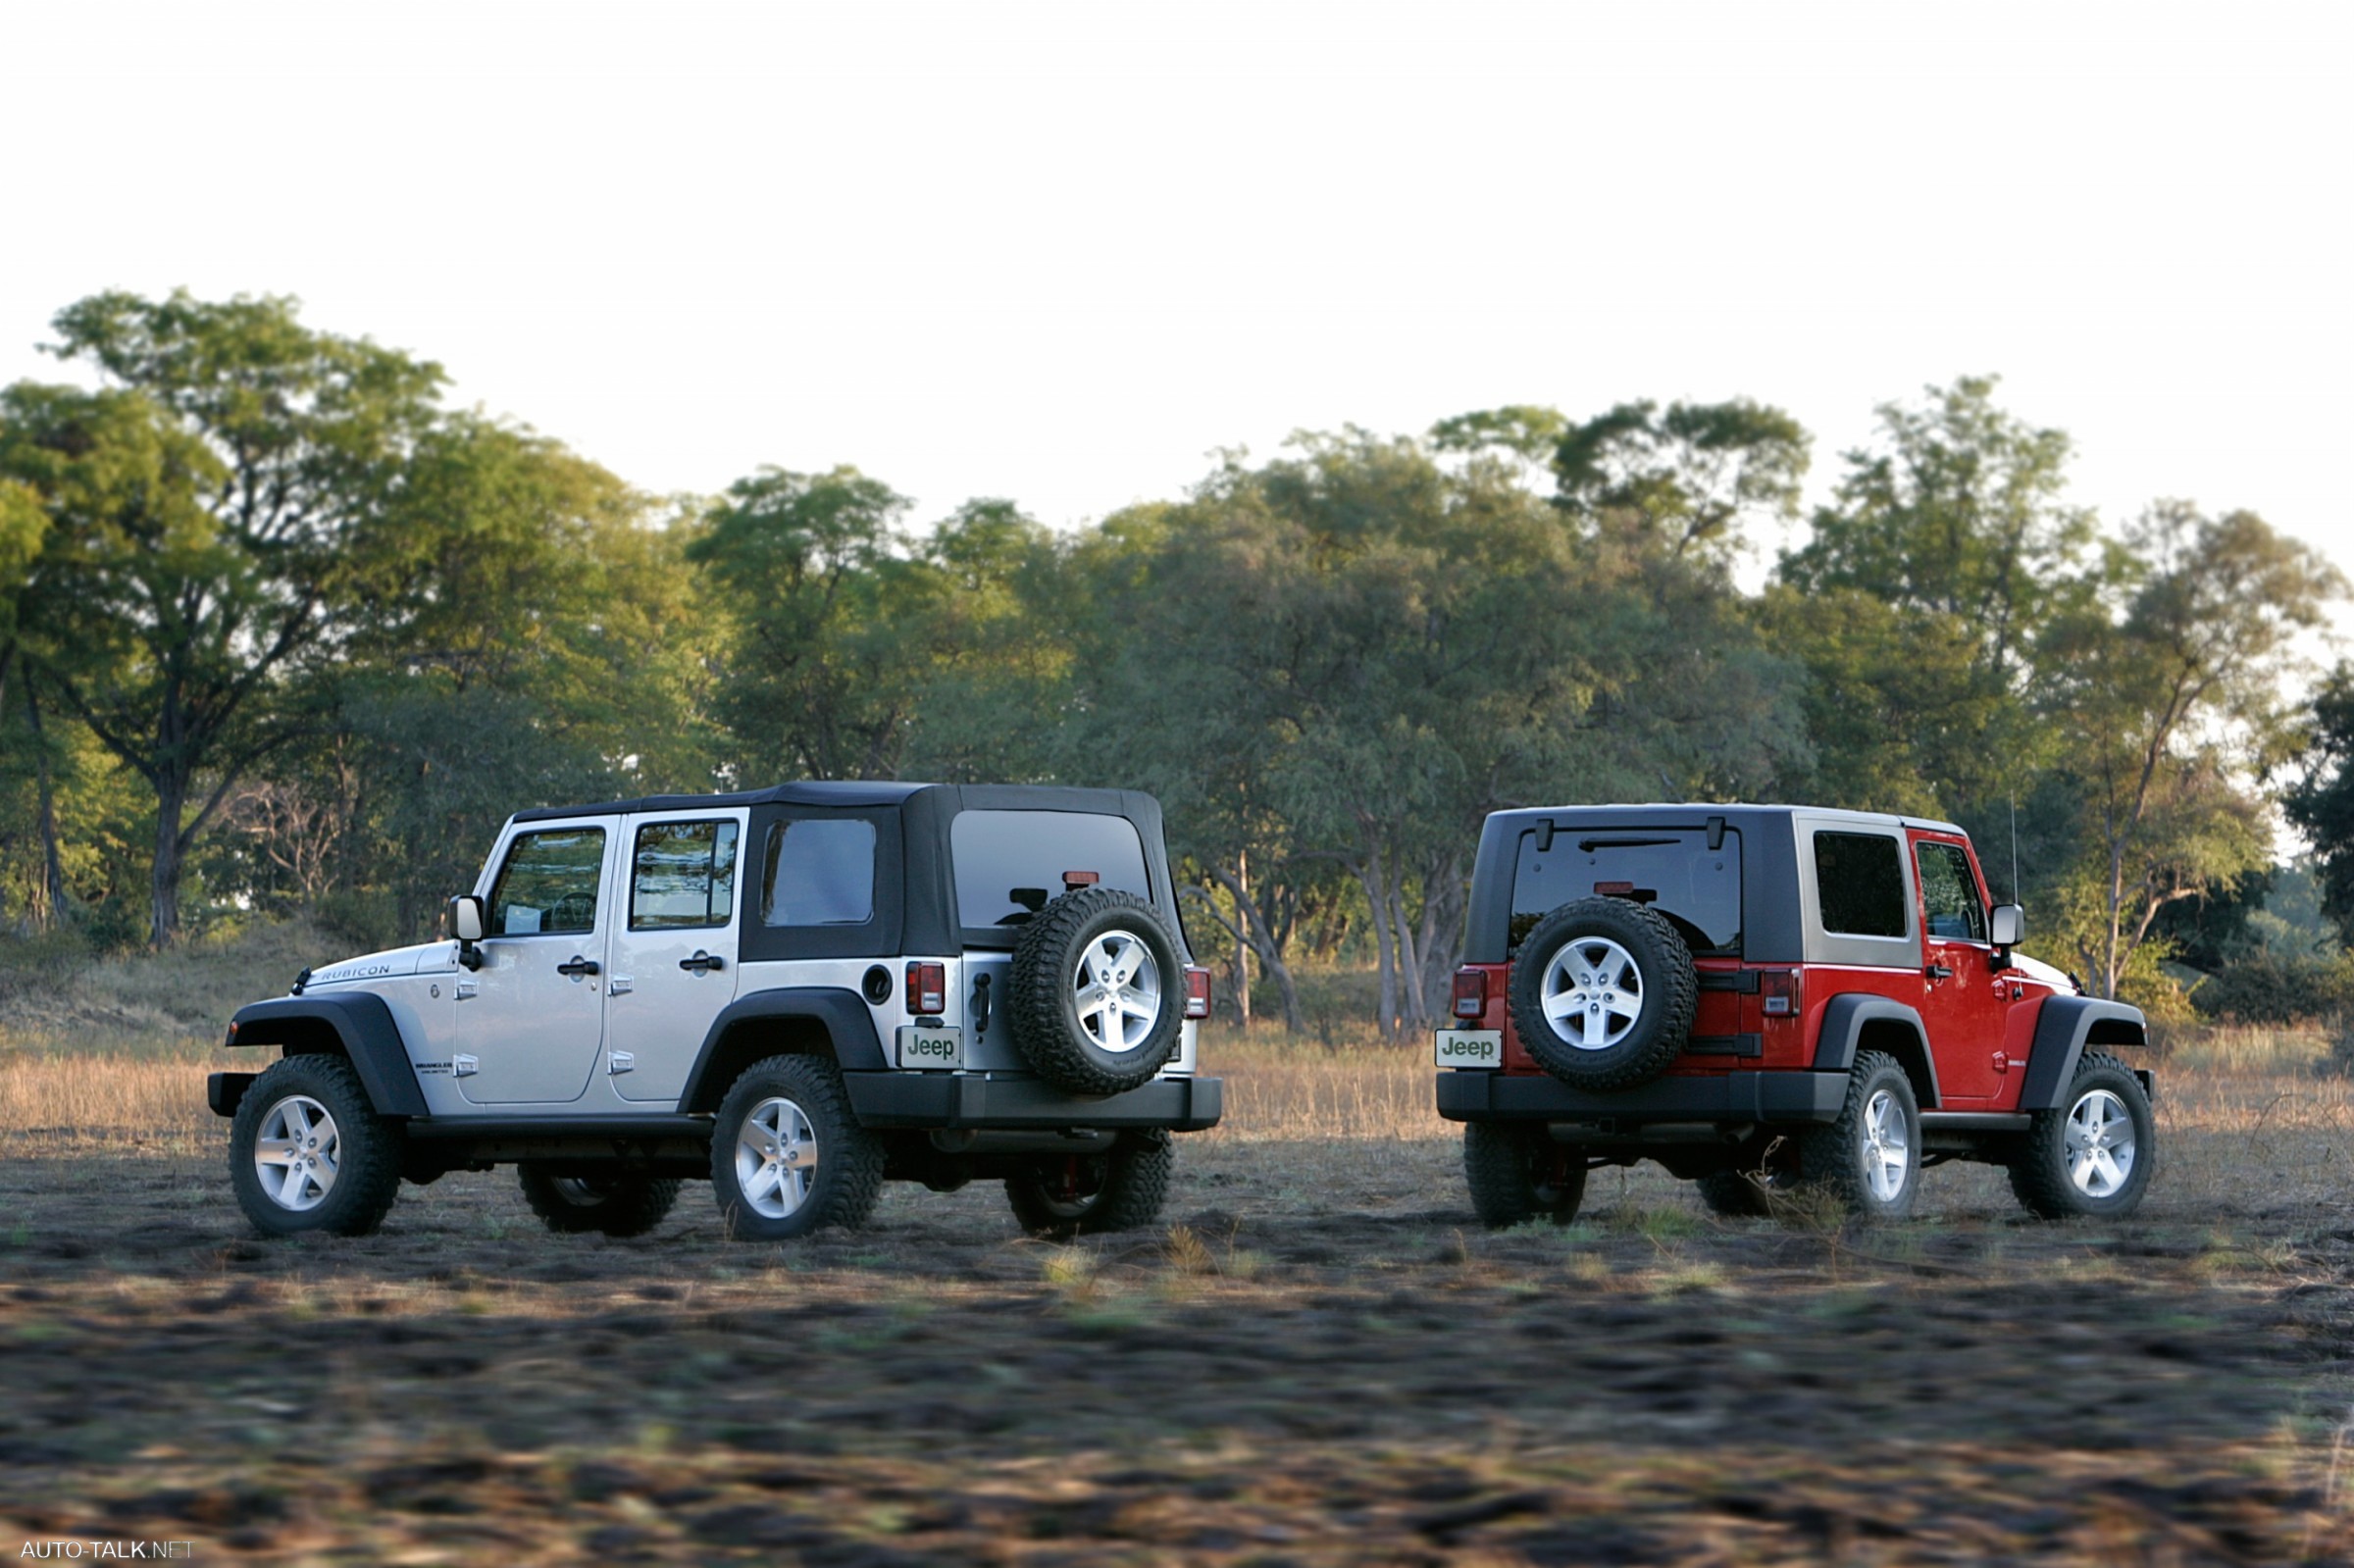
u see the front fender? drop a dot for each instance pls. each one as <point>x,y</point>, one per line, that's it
<point>356,1023</point>
<point>2064,1026</point>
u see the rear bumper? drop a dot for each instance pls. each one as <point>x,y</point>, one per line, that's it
<point>963,1099</point>
<point>1726,1098</point>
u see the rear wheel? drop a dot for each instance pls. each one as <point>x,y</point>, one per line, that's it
<point>2091,1154</point>
<point>308,1152</point>
<point>623,1203</point>
<point>1519,1173</point>
<point>1870,1158</point>
<point>787,1156</point>
<point>1747,1191</point>
<point>1122,1189</point>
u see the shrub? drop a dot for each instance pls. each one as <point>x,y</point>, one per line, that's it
<point>2265,988</point>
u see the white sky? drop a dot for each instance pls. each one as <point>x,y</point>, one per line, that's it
<point>1060,253</point>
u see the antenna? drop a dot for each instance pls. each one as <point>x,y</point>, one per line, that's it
<point>2015,899</point>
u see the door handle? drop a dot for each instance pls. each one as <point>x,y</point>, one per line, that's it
<point>1940,972</point>
<point>578,967</point>
<point>702,963</point>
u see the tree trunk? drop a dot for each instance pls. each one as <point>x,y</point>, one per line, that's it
<point>1417,1015</point>
<point>1255,930</point>
<point>1377,899</point>
<point>171,805</point>
<point>1242,950</point>
<point>49,899</point>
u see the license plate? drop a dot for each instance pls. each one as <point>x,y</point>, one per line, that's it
<point>1470,1047</point>
<point>934,1049</point>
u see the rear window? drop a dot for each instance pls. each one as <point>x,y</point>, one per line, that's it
<point>1009,863</point>
<point>1861,879</point>
<point>1672,870</point>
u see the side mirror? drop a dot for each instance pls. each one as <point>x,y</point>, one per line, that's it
<point>466,924</point>
<point>2008,925</point>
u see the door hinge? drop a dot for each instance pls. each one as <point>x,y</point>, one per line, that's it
<point>620,986</point>
<point>466,989</point>
<point>621,1062</point>
<point>464,1066</point>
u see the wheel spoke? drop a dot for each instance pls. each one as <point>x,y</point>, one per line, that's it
<point>273,1150</point>
<point>1559,1006</point>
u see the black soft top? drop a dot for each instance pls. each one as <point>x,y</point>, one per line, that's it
<point>916,895</point>
<point>805,792</point>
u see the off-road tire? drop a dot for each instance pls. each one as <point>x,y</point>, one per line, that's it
<point>1670,991</point>
<point>847,1174</point>
<point>623,1203</point>
<point>368,1151</point>
<point>1122,1189</point>
<point>1517,1174</point>
<point>2039,1164</point>
<point>1832,1158</point>
<point>1041,999</point>
<point>1739,1194</point>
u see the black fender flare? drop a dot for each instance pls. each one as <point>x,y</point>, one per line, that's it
<point>362,1025</point>
<point>2064,1026</point>
<point>1844,1021</point>
<point>843,1012</point>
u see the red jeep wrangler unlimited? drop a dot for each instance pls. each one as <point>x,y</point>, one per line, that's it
<point>1769,996</point>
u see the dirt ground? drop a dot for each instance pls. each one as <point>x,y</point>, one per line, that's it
<point>1319,1358</point>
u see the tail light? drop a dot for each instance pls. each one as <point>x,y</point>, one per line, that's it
<point>1782,994</point>
<point>928,987</point>
<point>1470,992</point>
<point>1197,991</point>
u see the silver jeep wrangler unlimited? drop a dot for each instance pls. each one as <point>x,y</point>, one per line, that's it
<point>795,993</point>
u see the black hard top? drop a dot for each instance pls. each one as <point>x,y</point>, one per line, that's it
<point>803,792</point>
<point>1772,929</point>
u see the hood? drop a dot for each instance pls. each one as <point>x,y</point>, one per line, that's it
<point>391,962</point>
<point>2036,969</point>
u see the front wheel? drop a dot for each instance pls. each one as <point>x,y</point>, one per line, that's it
<point>1063,1195</point>
<point>308,1152</point>
<point>623,1203</point>
<point>1518,1174</point>
<point>1870,1158</point>
<point>2091,1154</point>
<point>788,1155</point>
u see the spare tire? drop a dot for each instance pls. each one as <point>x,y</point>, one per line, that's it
<point>1601,993</point>
<point>1096,994</point>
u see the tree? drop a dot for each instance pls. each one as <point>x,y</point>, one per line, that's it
<point>2171,702</point>
<point>1958,512</point>
<point>2321,803</point>
<point>833,623</point>
<point>213,506</point>
<point>543,645</point>
<point>1686,477</point>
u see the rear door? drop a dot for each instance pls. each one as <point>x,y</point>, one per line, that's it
<point>531,1020</point>
<point>1963,1000</point>
<point>673,948</point>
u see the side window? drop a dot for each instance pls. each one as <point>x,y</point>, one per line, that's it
<point>818,870</point>
<point>683,874</point>
<point>1949,894</point>
<point>1861,878</point>
<point>548,884</point>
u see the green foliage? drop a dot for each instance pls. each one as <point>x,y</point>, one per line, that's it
<point>2265,988</point>
<point>2322,802</point>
